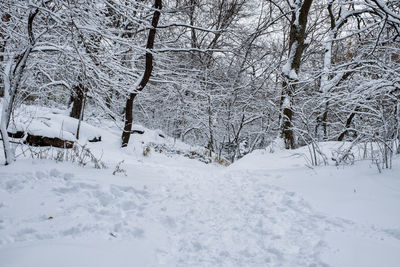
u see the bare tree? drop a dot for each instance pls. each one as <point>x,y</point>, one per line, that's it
<point>146,75</point>
<point>12,77</point>
<point>297,45</point>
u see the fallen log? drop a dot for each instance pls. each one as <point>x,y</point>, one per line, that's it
<point>95,139</point>
<point>37,140</point>
<point>17,134</point>
<point>137,132</point>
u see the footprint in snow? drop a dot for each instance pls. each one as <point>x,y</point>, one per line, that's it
<point>40,175</point>
<point>169,222</point>
<point>68,177</point>
<point>54,173</point>
<point>129,205</point>
<point>162,256</point>
<point>14,185</point>
<point>138,232</point>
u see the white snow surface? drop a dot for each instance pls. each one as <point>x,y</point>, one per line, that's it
<point>51,123</point>
<point>267,209</point>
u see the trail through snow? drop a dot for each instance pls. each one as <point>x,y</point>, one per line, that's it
<point>181,213</point>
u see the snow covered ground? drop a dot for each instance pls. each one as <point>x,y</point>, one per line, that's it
<point>267,209</point>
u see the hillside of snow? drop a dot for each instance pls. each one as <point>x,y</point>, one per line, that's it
<point>164,208</point>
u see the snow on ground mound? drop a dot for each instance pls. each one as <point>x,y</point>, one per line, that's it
<point>51,123</point>
<point>54,123</point>
<point>363,203</point>
<point>276,157</point>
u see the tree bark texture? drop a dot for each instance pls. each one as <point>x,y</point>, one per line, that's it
<point>348,124</point>
<point>297,45</point>
<point>77,99</point>
<point>146,75</point>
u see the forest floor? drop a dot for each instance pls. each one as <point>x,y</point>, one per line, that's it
<point>267,209</point>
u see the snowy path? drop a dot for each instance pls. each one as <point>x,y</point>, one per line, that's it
<point>163,215</point>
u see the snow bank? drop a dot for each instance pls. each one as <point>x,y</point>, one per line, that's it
<point>51,123</point>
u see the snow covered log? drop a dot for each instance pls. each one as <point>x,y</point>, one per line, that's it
<point>137,132</point>
<point>95,139</point>
<point>38,140</point>
<point>16,134</point>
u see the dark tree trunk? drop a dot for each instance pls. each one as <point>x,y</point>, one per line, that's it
<point>297,37</point>
<point>146,75</point>
<point>77,99</point>
<point>322,124</point>
<point>128,120</point>
<point>287,116</point>
<point>348,123</point>
<point>325,120</point>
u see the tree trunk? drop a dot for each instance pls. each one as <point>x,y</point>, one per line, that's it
<point>348,123</point>
<point>328,79</point>
<point>287,115</point>
<point>8,153</point>
<point>290,71</point>
<point>128,120</point>
<point>77,99</point>
<point>146,75</point>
